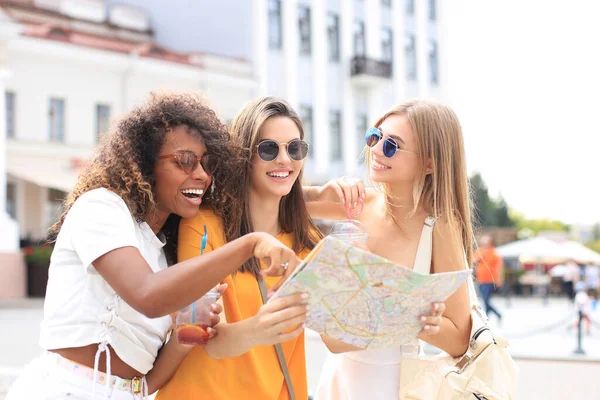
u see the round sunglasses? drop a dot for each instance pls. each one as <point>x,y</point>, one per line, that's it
<point>188,161</point>
<point>268,149</point>
<point>390,146</point>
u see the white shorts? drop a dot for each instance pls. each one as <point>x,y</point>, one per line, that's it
<point>52,377</point>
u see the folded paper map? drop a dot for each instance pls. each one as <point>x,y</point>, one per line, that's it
<point>363,299</point>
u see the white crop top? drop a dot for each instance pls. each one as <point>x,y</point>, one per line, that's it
<point>80,307</point>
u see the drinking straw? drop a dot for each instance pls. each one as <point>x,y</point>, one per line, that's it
<point>202,247</point>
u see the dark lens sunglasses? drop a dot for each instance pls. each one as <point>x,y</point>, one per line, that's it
<point>268,150</point>
<point>390,146</point>
<point>188,161</point>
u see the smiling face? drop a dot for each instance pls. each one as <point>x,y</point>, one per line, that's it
<point>177,191</point>
<point>276,178</point>
<point>402,166</point>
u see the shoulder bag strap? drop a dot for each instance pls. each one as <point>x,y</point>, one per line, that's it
<point>423,258</point>
<point>286,374</point>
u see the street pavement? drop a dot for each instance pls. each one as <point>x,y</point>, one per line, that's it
<point>542,340</point>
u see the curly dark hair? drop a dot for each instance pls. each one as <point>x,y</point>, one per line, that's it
<point>125,159</point>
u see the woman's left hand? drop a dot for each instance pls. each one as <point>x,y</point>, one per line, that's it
<point>215,312</point>
<point>431,322</point>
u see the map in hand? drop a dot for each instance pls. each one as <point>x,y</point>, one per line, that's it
<point>363,299</point>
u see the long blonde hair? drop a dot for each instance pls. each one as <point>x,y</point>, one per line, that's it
<point>293,213</point>
<point>445,192</point>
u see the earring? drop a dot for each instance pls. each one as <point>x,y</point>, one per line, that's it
<point>212,187</point>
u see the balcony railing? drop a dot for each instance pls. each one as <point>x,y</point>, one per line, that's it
<point>361,65</point>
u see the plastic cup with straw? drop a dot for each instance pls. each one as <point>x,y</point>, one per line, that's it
<point>351,231</point>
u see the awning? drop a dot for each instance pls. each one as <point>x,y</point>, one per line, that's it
<point>54,172</point>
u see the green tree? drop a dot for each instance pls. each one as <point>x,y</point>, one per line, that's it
<point>594,245</point>
<point>485,210</point>
<point>503,218</point>
<point>596,232</point>
<point>537,225</point>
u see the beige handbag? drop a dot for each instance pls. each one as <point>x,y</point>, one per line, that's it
<point>485,371</point>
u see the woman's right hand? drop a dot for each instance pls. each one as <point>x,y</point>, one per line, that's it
<point>350,192</point>
<point>280,320</point>
<point>279,259</point>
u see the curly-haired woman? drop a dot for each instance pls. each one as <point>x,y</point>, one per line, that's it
<point>110,293</point>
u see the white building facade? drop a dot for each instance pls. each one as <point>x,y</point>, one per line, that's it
<point>342,63</point>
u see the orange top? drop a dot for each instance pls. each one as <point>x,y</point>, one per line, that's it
<point>488,265</point>
<point>253,375</point>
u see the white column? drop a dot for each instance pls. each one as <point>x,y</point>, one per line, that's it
<point>399,65</point>
<point>319,88</point>
<point>350,151</point>
<point>373,33</point>
<point>9,229</point>
<point>260,43</point>
<point>373,28</point>
<point>422,35</point>
<point>289,22</point>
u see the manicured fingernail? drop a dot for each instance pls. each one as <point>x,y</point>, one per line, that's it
<point>305,296</point>
<point>426,327</point>
<point>423,318</point>
<point>436,306</point>
<point>212,314</point>
<point>354,205</point>
<point>213,307</point>
<point>363,195</point>
<point>270,293</point>
<point>307,308</point>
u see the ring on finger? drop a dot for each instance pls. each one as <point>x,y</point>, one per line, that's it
<point>285,265</point>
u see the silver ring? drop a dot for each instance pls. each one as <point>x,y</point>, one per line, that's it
<point>285,265</point>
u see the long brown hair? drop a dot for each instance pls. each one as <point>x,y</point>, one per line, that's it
<point>445,192</point>
<point>293,214</point>
<point>125,159</point>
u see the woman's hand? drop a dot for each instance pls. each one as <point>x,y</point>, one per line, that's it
<point>279,259</point>
<point>278,321</point>
<point>431,322</point>
<point>215,311</point>
<point>350,192</point>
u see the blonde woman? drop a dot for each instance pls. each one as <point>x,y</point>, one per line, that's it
<point>241,361</point>
<point>416,160</point>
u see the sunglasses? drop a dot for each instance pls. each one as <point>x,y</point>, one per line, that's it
<point>390,146</point>
<point>268,150</point>
<point>188,161</point>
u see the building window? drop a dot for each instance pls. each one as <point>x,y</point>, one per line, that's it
<point>432,10</point>
<point>56,118</point>
<point>102,119</point>
<point>335,134</point>
<point>275,40</point>
<point>386,3</point>
<point>304,28</point>
<point>433,62</point>
<point>409,7</point>
<point>9,98</point>
<point>359,38</point>
<point>361,129</point>
<point>11,200</point>
<point>387,49</point>
<point>333,36</point>
<point>306,115</point>
<point>410,55</point>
